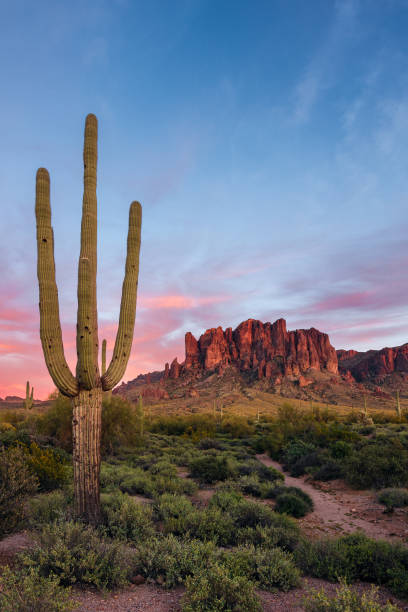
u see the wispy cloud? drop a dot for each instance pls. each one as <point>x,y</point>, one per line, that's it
<point>319,75</point>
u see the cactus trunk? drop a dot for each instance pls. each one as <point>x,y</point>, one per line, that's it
<point>86,430</point>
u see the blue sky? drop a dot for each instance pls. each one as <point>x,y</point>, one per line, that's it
<point>266,141</point>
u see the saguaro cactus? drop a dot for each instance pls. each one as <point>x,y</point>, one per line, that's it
<point>85,388</point>
<point>29,398</point>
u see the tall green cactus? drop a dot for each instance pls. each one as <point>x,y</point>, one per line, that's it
<point>85,388</point>
<point>29,398</point>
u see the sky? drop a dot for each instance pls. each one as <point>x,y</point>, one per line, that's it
<point>266,140</point>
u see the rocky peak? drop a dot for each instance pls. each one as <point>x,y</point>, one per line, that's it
<point>265,348</point>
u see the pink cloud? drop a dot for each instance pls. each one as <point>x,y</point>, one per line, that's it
<point>179,301</point>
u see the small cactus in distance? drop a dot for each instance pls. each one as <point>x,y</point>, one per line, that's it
<point>398,405</point>
<point>86,386</point>
<point>29,398</point>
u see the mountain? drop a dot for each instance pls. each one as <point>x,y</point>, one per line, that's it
<point>266,350</point>
<point>374,366</point>
<point>267,357</point>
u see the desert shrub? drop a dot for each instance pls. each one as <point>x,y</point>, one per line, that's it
<point>225,499</point>
<point>346,600</point>
<point>50,469</point>
<point>250,514</point>
<point>207,443</point>
<point>263,472</point>
<point>211,524</point>
<point>76,554</point>
<point>378,465</point>
<point>251,485</point>
<point>124,519</point>
<point>169,560</point>
<point>271,568</point>
<point>210,468</point>
<point>298,455</point>
<point>213,590</point>
<point>56,423</point>
<point>133,481</point>
<point>164,468</point>
<point>160,485</point>
<point>30,592</point>
<point>237,427</point>
<point>120,425</point>
<point>196,427</point>
<point>292,504</point>
<point>175,511</point>
<point>47,508</point>
<point>340,449</point>
<point>278,535</point>
<point>280,490</point>
<point>254,523</point>
<point>16,483</point>
<point>393,498</point>
<point>356,557</point>
<point>329,471</point>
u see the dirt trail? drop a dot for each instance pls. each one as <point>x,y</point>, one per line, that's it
<point>339,509</point>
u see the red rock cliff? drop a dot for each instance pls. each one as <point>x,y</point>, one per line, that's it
<point>374,365</point>
<point>267,348</point>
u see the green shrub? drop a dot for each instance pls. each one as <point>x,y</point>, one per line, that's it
<point>225,499</point>
<point>346,600</point>
<point>56,423</point>
<point>164,468</point>
<point>30,592</point>
<point>120,425</point>
<point>271,568</point>
<point>340,449</point>
<point>51,471</point>
<point>76,554</point>
<point>378,465</point>
<point>196,427</point>
<point>237,427</point>
<point>124,519</point>
<point>393,498</point>
<point>47,508</point>
<point>213,590</point>
<point>210,468</point>
<point>211,524</point>
<point>16,483</point>
<point>169,560</point>
<point>289,503</point>
<point>329,471</point>
<point>356,557</point>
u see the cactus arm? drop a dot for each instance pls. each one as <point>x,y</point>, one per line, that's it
<point>124,336</point>
<point>103,370</point>
<point>50,327</point>
<point>87,319</point>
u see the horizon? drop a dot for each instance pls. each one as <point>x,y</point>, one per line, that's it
<point>267,144</point>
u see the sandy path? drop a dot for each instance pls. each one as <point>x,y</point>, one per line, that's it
<point>338,509</point>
